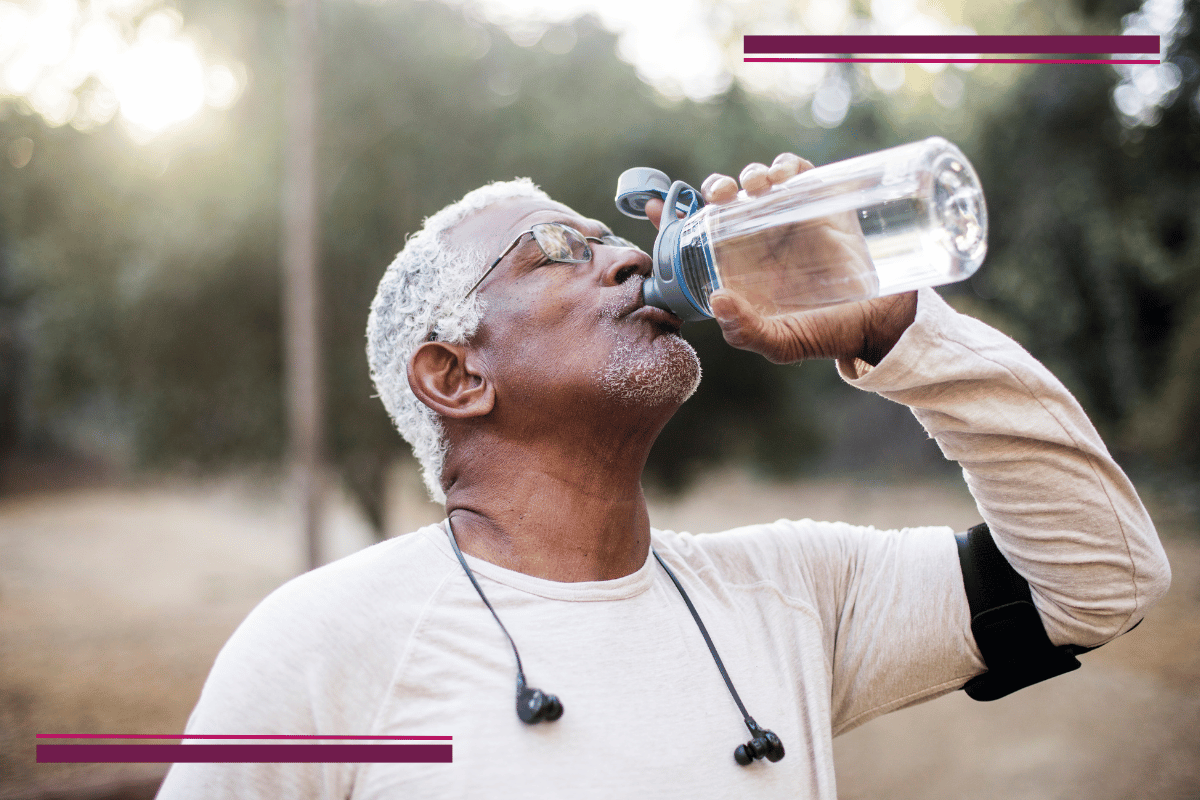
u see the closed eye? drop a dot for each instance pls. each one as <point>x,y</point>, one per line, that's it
<point>617,241</point>
<point>613,240</point>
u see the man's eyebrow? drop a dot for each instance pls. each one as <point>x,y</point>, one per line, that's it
<point>575,225</point>
<point>604,230</point>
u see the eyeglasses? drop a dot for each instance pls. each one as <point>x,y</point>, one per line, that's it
<point>558,242</point>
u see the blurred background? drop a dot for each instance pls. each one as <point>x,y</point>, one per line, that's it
<point>147,499</point>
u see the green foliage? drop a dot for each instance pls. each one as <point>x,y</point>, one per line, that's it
<point>1094,253</point>
<point>144,280</point>
<point>139,285</point>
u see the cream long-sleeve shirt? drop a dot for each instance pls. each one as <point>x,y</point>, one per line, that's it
<point>821,625</point>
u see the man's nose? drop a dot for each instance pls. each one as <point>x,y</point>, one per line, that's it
<point>619,264</point>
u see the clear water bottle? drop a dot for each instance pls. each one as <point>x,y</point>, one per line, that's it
<point>878,224</point>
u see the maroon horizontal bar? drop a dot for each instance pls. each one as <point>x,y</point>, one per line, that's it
<point>1017,45</point>
<point>952,60</point>
<point>234,736</point>
<point>245,753</point>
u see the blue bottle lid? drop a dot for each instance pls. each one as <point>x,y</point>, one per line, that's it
<point>637,186</point>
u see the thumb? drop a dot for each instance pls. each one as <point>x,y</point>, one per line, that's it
<point>654,209</point>
<point>740,323</point>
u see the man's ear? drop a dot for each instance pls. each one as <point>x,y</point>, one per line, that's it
<point>441,379</point>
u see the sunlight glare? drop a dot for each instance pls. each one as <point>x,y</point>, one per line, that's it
<point>221,86</point>
<point>681,47</point>
<point>158,84</point>
<point>69,62</point>
<point>1146,89</point>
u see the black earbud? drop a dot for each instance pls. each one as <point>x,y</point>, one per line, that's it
<point>534,705</point>
<point>766,746</point>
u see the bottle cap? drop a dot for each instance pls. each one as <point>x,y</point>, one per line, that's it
<point>637,186</point>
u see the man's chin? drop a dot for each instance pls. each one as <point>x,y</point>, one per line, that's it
<point>665,374</point>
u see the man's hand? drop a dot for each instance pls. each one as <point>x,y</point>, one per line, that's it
<point>865,330</point>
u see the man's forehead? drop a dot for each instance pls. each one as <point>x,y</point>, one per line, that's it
<point>494,227</point>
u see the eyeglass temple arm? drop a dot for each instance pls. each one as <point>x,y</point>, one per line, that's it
<point>499,258</point>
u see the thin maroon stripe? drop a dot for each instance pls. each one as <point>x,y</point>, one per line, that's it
<point>245,753</point>
<point>231,736</point>
<point>1027,45</point>
<point>955,60</point>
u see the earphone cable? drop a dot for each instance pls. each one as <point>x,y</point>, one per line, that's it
<point>462,560</point>
<point>750,723</point>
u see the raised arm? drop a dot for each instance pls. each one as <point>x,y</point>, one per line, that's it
<point>1062,512</point>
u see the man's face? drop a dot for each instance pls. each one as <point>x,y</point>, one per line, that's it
<point>564,333</point>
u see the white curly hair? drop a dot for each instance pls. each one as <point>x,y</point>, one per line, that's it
<point>423,290</point>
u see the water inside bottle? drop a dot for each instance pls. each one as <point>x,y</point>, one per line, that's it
<point>796,255</point>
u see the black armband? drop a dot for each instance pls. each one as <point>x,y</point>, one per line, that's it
<point>1005,622</point>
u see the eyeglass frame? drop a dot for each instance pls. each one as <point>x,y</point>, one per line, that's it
<point>432,336</point>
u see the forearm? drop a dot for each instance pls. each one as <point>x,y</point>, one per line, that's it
<point>1062,511</point>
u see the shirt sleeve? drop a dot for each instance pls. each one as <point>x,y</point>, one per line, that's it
<point>1060,509</point>
<point>308,661</point>
<point>892,608</point>
<point>262,684</point>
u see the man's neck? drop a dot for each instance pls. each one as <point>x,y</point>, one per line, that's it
<point>559,515</point>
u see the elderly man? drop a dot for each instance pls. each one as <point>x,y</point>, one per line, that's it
<point>510,343</point>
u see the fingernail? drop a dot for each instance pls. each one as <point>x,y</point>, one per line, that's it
<point>754,176</point>
<point>722,186</point>
<point>722,309</point>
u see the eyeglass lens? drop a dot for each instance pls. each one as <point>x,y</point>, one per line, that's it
<point>563,243</point>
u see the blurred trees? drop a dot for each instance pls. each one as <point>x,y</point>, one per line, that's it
<point>1094,259</point>
<point>142,281</point>
<point>139,285</point>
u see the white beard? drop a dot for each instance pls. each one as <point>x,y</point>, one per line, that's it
<point>665,374</point>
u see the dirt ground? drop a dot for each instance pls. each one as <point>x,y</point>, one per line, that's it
<point>114,602</point>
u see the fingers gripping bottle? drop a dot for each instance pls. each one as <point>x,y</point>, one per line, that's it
<point>879,224</point>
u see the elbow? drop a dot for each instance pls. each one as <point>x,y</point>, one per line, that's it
<point>1151,587</point>
<point>1142,581</point>
<point>1151,579</point>
<point>1113,606</point>
<point>1156,582</point>
<point>1149,571</point>
<point>1150,584</point>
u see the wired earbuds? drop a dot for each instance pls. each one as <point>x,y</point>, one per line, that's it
<point>534,705</point>
<point>765,745</point>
